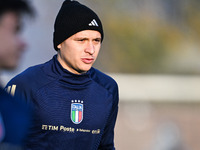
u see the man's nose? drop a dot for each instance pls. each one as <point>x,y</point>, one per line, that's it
<point>90,48</point>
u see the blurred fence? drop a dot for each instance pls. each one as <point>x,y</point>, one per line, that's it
<point>177,88</point>
<point>158,112</point>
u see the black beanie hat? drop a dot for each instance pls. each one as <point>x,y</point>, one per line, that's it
<point>74,17</point>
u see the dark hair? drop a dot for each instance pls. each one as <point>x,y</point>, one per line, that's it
<point>17,6</point>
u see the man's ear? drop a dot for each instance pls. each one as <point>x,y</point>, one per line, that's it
<point>59,46</point>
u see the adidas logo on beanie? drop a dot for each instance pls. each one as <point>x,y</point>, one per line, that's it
<point>74,17</point>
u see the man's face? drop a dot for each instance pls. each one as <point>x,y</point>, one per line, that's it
<point>11,46</point>
<point>78,53</point>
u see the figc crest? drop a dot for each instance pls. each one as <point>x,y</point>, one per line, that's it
<point>77,111</point>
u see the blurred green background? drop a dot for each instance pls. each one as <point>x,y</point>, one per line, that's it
<point>150,36</point>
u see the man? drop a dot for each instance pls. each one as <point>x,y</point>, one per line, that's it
<point>14,116</point>
<point>75,105</point>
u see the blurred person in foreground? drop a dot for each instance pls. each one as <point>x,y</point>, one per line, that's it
<point>14,116</point>
<point>75,105</point>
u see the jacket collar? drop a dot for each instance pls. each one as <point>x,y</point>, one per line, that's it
<point>56,70</point>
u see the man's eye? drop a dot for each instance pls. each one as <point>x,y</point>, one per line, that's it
<point>81,40</point>
<point>97,40</point>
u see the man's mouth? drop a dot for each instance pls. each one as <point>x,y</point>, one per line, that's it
<point>88,60</point>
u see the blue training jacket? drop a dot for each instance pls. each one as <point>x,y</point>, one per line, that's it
<point>71,112</point>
